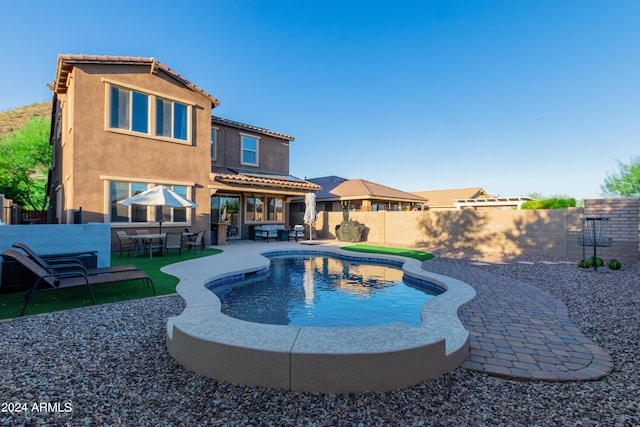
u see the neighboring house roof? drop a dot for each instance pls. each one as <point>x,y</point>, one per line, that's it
<point>445,198</point>
<point>66,62</point>
<point>260,179</point>
<point>328,183</point>
<point>338,188</point>
<point>250,128</point>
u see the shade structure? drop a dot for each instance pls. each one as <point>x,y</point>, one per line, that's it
<point>310,214</point>
<point>159,196</point>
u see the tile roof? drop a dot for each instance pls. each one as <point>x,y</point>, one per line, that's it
<point>361,188</point>
<point>66,62</point>
<point>335,187</point>
<point>442,198</point>
<point>328,183</point>
<point>261,179</point>
<point>250,128</point>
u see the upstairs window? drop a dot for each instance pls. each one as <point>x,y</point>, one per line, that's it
<point>249,150</point>
<point>129,110</point>
<point>148,114</point>
<point>171,119</point>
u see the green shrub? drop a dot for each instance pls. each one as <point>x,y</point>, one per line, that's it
<point>551,203</point>
<point>614,264</point>
<point>597,261</point>
<point>583,264</point>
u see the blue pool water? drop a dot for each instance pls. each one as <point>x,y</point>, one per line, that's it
<point>312,290</point>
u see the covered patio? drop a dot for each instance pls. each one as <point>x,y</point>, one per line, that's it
<point>243,199</point>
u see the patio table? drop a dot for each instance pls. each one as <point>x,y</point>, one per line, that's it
<point>142,239</point>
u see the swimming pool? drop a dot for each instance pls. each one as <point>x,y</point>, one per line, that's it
<point>325,291</point>
<point>314,359</point>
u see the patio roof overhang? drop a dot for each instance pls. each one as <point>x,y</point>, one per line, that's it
<point>244,181</point>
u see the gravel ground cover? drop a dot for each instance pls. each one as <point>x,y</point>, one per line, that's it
<point>108,365</point>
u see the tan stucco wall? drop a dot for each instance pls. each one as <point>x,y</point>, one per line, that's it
<point>98,152</point>
<point>273,153</point>
<point>495,235</point>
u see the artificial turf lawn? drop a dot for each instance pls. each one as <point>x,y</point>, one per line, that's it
<point>46,301</point>
<point>409,253</point>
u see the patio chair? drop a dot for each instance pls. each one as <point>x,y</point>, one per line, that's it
<point>197,242</point>
<point>297,232</point>
<point>142,242</point>
<point>125,242</point>
<point>232,231</point>
<point>68,279</point>
<point>188,235</point>
<point>173,241</point>
<point>68,264</point>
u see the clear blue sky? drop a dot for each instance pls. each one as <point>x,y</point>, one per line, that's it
<point>512,96</point>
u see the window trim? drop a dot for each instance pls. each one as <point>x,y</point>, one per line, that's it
<point>242,149</point>
<point>147,91</point>
<point>152,97</point>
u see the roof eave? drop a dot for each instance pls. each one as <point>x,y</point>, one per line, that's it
<point>59,84</point>
<point>249,128</point>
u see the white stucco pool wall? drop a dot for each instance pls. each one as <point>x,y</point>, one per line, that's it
<point>314,359</point>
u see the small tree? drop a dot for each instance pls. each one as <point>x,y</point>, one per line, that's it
<point>624,183</point>
<point>25,157</point>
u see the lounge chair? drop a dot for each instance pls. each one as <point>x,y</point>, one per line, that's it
<point>71,278</point>
<point>67,264</point>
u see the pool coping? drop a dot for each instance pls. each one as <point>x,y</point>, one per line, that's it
<point>314,359</point>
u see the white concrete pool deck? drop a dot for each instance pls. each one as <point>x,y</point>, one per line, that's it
<point>330,360</point>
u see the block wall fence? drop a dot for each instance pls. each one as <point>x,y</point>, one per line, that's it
<point>497,234</point>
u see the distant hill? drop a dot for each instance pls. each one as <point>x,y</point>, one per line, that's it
<point>13,119</point>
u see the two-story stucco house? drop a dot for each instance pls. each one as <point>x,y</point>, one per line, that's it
<point>121,125</point>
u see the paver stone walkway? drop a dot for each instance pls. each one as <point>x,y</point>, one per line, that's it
<point>518,330</point>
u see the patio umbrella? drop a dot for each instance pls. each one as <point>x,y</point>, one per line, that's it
<point>310,215</point>
<point>159,196</point>
<point>225,208</point>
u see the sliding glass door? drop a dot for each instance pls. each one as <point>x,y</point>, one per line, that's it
<point>226,208</point>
